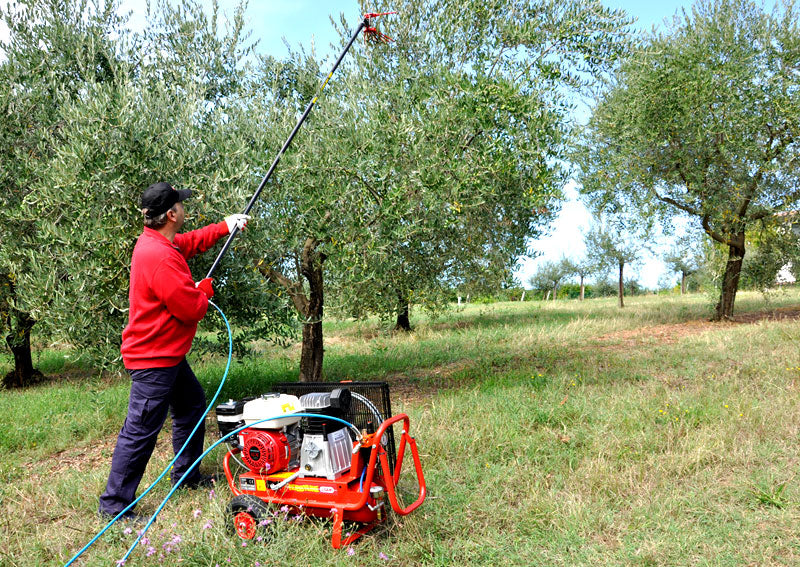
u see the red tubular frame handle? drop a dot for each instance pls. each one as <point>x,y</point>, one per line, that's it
<point>392,480</point>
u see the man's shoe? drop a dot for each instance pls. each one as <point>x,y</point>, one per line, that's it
<point>200,481</point>
<point>129,517</point>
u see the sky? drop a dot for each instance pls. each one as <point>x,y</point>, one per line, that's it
<point>306,22</point>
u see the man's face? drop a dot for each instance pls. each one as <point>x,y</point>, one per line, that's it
<point>180,215</point>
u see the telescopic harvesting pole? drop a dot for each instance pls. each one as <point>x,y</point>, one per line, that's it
<point>365,24</point>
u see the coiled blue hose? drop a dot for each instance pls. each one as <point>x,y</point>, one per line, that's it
<point>178,454</point>
<point>207,451</point>
<point>196,462</point>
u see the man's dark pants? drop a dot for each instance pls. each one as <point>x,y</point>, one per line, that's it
<point>153,391</point>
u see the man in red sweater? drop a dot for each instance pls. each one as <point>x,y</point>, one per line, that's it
<point>165,307</point>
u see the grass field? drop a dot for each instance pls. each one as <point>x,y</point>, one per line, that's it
<point>560,433</point>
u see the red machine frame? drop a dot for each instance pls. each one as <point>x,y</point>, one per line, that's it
<point>347,498</point>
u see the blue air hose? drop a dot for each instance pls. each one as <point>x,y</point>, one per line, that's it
<point>361,483</point>
<point>207,451</point>
<point>178,454</point>
<point>196,462</point>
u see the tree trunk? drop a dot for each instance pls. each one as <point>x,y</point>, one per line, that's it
<point>555,290</point>
<point>683,283</point>
<point>312,353</point>
<point>313,350</point>
<point>582,288</point>
<point>621,286</point>
<point>19,325</point>
<point>403,322</point>
<point>310,308</point>
<point>19,341</point>
<point>730,279</point>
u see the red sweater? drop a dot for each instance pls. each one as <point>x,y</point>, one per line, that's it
<point>165,306</point>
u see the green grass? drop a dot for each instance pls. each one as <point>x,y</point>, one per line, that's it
<point>563,433</point>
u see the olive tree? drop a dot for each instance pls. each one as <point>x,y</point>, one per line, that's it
<point>609,248</point>
<point>489,85</point>
<point>54,48</point>
<point>170,113</point>
<point>431,161</point>
<point>685,257</point>
<point>703,121</point>
<point>549,275</point>
<point>581,267</point>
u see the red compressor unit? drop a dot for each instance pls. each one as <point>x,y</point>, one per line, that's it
<point>316,465</point>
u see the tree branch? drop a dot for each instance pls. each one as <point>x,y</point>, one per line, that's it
<point>496,60</point>
<point>714,234</point>
<point>468,143</point>
<point>675,203</point>
<point>783,142</point>
<point>293,288</point>
<point>307,255</point>
<point>751,191</point>
<point>375,195</point>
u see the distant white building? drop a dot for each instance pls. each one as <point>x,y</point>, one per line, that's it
<point>785,276</point>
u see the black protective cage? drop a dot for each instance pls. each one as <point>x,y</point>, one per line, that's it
<point>359,413</point>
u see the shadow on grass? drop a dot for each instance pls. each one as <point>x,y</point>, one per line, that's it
<point>466,358</point>
<point>432,361</point>
<point>563,313</point>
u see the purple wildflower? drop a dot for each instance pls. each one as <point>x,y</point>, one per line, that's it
<point>351,551</point>
<point>383,556</point>
<point>208,525</point>
<point>197,513</point>
<point>127,531</point>
<point>150,551</point>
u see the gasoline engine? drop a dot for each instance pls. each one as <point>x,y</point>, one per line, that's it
<point>325,453</point>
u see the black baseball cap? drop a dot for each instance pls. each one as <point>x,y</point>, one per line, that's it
<point>159,198</point>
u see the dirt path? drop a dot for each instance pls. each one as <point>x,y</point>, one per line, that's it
<point>418,386</point>
<point>673,332</point>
